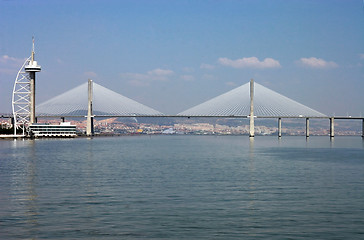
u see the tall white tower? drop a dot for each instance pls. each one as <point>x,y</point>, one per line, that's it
<point>32,68</point>
<point>23,100</point>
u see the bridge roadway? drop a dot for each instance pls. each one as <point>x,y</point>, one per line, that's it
<point>6,115</point>
<point>187,116</point>
<point>332,119</point>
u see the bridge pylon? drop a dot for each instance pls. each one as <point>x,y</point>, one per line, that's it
<point>251,126</point>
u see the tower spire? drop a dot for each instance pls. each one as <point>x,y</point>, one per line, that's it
<point>33,49</point>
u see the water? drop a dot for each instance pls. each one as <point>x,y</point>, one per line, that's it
<point>182,187</point>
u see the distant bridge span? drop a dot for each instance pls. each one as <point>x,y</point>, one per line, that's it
<point>190,116</point>
<point>242,102</point>
<point>332,134</point>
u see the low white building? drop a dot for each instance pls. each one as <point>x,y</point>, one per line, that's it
<point>64,129</point>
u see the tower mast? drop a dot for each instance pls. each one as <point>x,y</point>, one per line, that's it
<point>32,68</point>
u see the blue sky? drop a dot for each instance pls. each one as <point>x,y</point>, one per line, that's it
<point>172,55</point>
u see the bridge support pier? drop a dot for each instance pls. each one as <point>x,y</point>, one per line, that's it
<point>307,127</point>
<point>90,117</point>
<point>251,129</point>
<point>90,126</point>
<point>332,134</point>
<point>279,127</point>
<point>62,119</point>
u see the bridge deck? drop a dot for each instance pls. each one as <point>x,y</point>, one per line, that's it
<point>202,116</point>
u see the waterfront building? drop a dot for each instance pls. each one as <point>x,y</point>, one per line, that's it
<point>64,129</point>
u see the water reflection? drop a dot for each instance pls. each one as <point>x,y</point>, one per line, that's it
<point>251,148</point>
<point>24,179</point>
<point>91,193</point>
<point>279,141</point>
<point>252,173</point>
<point>32,198</point>
<point>84,189</point>
<point>332,141</point>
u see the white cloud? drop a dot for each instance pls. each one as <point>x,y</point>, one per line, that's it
<point>188,78</point>
<point>207,66</point>
<point>313,62</point>
<point>5,59</point>
<point>251,62</point>
<point>231,84</point>
<point>90,74</point>
<point>160,72</point>
<point>142,80</point>
<point>10,65</point>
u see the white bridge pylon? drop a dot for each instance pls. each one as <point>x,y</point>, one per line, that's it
<point>105,102</point>
<point>267,103</point>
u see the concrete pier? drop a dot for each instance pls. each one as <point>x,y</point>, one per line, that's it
<point>279,127</point>
<point>307,127</point>
<point>251,130</point>
<point>90,117</point>
<point>332,134</point>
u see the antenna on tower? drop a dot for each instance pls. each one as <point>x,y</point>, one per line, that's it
<point>33,49</point>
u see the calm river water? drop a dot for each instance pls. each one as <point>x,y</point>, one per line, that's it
<point>182,187</point>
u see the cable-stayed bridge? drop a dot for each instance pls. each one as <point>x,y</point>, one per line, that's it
<point>250,100</point>
<point>235,103</point>
<point>93,100</point>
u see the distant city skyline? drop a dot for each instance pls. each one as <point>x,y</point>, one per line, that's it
<point>173,55</point>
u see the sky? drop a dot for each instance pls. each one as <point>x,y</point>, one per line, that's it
<point>172,55</point>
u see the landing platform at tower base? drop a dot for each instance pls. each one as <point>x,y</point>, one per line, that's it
<point>11,136</point>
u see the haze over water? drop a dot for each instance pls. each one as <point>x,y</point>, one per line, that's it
<point>182,187</point>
